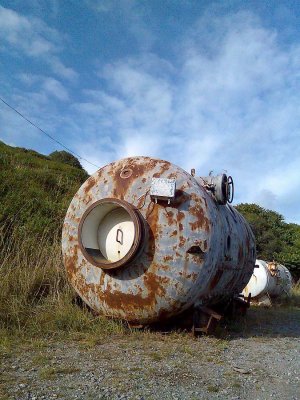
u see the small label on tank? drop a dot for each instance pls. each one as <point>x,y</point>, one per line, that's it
<point>163,188</point>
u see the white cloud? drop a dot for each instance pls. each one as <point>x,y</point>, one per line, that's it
<point>28,34</point>
<point>60,69</point>
<point>55,88</point>
<point>230,103</point>
<point>34,38</point>
<point>45,84</point>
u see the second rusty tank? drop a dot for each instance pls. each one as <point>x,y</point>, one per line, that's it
<point>269,280</point>
<point>144,240</point>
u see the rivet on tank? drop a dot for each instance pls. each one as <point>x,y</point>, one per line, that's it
<point>147,242</point>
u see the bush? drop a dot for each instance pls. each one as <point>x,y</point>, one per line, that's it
<point>66,158</point>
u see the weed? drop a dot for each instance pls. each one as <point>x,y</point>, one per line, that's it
<point>212,389</point>
<point>187,350</point>
<point>156,356</point>
<point>40,359</point>
<point>135,369</point>
<point>222,344</point>
<point>48,373</point>
<point>6,342</point>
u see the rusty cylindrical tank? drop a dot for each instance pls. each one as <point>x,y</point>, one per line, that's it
<point>143,240</point>
<point>268,279</point>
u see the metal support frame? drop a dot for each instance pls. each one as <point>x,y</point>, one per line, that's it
<point>205,320</point>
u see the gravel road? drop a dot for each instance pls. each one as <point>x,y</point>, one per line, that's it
<point>255,358</point>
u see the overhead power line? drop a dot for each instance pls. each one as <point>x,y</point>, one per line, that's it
<point>47,134</point>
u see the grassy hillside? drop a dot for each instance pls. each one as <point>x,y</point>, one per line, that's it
<point>35,190</point>
<point>35,297</point>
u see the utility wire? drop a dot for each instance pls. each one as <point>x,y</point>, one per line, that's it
<point>47,134</point>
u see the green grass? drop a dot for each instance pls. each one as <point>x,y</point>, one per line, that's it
<point>36,299</point>
<point>293,300</point>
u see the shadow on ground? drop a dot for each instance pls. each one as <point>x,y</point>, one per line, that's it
<point>269,322</point>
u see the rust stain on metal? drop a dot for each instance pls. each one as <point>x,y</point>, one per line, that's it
<point>180,216</point>
<point>121,184</point>
<point>155,288</point>
<point>89,184</point>
<point>182,241</point>
<point>155,284</point>
<point>165,166</point>
<point>170,217</point>
<point>88,199</point>
<point>202,220</point>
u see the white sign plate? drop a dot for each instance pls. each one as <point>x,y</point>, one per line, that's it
<point>163,188</point>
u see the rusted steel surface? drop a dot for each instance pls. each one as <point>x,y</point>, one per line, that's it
<point>193,251</point>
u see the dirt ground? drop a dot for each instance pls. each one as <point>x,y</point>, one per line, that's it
<point>257,357</point>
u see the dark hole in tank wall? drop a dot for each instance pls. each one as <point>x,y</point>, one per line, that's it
<point>227,252</point>
<point>196,251</point>
<point>228,242</point>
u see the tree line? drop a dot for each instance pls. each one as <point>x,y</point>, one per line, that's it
<point>275,239</point>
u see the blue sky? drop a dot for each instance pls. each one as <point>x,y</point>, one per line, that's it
<point>205,85</point>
